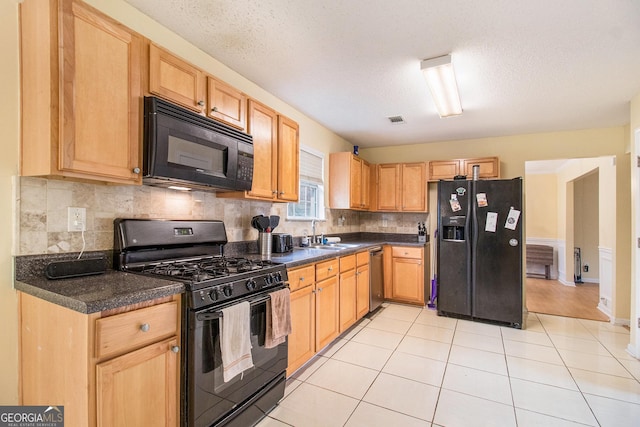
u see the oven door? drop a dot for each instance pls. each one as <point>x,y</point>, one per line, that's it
<point>209,399</point>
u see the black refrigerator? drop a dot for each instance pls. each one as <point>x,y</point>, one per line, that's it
<point>479,250</point>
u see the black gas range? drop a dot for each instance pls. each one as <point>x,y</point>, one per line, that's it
<point>193,252</point>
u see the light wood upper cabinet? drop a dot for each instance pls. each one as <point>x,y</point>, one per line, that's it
<point>288,160</point>
<point>388,185</point>
<point>176,80</point>
<point>447,169</point>
<point>402,187</point>
<point>349,181</point>
<point>81,93</point>
<point>414,187</point>
<point>275,156</point>
<point>226,104</point>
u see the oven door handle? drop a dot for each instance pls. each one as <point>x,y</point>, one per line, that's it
<point>212,315</point>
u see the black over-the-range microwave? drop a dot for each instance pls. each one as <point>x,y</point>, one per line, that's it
<point>185,149</point>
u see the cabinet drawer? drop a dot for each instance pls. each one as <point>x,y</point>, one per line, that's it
<point>347,263</point>
<point>122,332</point>
<point>327,269</point>
<point>301,277</point>
<point>362,258</point>
<point>407,252</point>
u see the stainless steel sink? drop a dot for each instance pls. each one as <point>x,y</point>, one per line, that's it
<point>334,246</point>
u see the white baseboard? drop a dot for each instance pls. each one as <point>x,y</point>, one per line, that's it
<point>603,308</point>
<point>635,352</point>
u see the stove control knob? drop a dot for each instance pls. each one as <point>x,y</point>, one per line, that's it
<point>213,295</point>
<point>251,284</point>
<point>278,276</point>
<point>228,291</point>
<point>269,279</point>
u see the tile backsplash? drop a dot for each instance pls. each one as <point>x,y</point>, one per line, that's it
<point>42,214</point>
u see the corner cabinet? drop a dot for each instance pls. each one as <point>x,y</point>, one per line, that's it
<point>81,93</point>
<point>349,182</point>
<point>402,187</point>
<point>99,365</point>
<point>447,169</point>
<point>275,156</point>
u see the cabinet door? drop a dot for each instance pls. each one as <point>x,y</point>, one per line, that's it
<point>388,186</point>
<point>443,169</point>
<point>366,185</point>
<point>263,126</point>
<point>414,187</point>
<point>327,311</point>
<point>176,80</point>
<point>100,96</point>
<point>347,299</point>
<point>226,104</point>
<point>489,167</point>
<point>408,280</point>
<point>302,337</point>
<point>150,375</point>
<point>355,181</point>
<point>362,291</point>
<point>288,160</point>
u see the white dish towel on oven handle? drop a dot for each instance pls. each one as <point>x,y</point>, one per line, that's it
<point>235,340</point>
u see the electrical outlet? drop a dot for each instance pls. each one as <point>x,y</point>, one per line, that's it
<point>76,219</point>
<point>586,268</point>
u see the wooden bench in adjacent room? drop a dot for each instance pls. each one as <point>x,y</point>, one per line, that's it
<point>540,254</point>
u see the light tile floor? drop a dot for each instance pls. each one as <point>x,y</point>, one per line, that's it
<point>406,366</point>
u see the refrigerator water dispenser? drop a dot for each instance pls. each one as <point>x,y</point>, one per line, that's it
<point>453,228</point>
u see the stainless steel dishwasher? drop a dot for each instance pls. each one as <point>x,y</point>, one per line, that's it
<point>376,296</point>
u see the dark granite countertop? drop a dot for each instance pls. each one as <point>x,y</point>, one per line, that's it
<point>113,289</point>
<point>91,294</point>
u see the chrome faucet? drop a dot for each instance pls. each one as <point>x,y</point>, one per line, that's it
<point>313,231</point>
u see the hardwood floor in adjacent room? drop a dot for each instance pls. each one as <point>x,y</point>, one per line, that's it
<point>552,297</point>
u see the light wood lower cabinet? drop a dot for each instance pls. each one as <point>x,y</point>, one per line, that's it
<point>146,375</point>
<point>348,292</point>
<point>327,302</point>
<point>326,299</point>
<point>302,340</point>
<point>118,367</point>
<point>362,284</point>
<point>404,274</point>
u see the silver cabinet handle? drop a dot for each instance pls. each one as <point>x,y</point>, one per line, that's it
<point>145,327</point>
<point>282,192</point>
<point>319,289</point>
<point>175,348</point>
<point>136,170</point>
<point>302,279</point>
<point>331,268</point>
<point>201,103</point>
<point>214,109</point>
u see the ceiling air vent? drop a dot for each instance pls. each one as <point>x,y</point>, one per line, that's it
<point>396,120</point>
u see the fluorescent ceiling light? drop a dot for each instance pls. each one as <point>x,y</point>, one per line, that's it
<point>442,83</point>
<point>175,187</point>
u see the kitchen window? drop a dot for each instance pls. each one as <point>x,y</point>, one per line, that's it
<point>311,196</point>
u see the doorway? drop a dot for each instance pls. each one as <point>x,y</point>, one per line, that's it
<point>564,211</point>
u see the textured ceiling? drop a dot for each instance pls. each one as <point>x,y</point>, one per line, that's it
<point>522,66</point>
